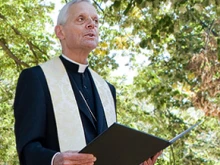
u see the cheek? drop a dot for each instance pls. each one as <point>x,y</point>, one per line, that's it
<point>73,36</point>
<point>71,31</point>
<point>97,34</point>
<point>97,31</point>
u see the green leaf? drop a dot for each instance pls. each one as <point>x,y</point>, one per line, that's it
<point>128,8</point>
<point>117,4</point>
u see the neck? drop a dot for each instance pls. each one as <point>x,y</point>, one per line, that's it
<point>78,56</point>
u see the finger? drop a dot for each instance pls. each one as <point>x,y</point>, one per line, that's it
<point>154,158</point>
<point>78,156</point>
<point>73,158</point>
<point>67,162</point>
<point>83,164</point>
<point>145,163</point>
<point>83,161</point>
<point>70,151</point>
<point>150,162</point>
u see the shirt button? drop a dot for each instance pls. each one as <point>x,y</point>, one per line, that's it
<point>85,86</point>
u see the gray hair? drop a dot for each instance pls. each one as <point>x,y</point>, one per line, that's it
<point>63,15</point>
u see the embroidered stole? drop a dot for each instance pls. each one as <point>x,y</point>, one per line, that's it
<point>69,125</point>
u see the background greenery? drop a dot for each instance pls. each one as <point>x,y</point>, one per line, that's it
<point>172,45</point>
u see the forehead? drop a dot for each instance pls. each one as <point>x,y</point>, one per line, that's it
<point>82,8</point>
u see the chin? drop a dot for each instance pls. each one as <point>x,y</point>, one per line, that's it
<point>91,48</point>
<point>91,45</point>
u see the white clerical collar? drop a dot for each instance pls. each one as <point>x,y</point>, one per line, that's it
<point>82,67</point>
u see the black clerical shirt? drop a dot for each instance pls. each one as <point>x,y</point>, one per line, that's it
<point>81,81</point>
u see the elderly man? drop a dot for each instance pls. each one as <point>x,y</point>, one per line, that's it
<point>62,105</point>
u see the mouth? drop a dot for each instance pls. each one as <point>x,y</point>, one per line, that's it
<point>90,35</point>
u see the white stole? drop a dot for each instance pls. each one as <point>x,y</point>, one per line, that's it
<point>69,125</point>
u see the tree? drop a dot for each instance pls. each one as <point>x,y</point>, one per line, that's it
<point>177,33</point>
<point>23,43</point>
<point>180,40</point>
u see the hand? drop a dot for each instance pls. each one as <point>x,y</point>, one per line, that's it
<point>151,161</point>
<point>73,158</point>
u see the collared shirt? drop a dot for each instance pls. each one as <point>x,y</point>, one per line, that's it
<point>82,67</point>
<point>79,75</point>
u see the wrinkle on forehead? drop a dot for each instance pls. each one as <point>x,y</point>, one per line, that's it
<point>82,8</point>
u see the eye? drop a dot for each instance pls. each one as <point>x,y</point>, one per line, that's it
<point>96,20</point>
<point>81,19</point>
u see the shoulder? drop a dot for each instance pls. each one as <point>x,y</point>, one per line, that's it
<point>33,72</point>
<point>33,76</point>
<point>112,87</point>
<point>31,84</point>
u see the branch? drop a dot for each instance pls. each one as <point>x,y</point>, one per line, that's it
<point>98,6</point>
<point>10,54</point>
<point>206,26</point>
<point>172,154</point>
<point>30,44</point>
<point>34,53</point>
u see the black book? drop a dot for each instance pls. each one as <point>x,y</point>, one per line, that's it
<point>121,145</point>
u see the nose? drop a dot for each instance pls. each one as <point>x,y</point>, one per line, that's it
<point>90,23</point>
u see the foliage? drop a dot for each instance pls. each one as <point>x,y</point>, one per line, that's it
<point>178,39</point>
<point>193,148</point>
<point>23,43</point>
<point>178,33</point>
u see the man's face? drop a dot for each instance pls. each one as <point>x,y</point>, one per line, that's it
<point>81,28</point>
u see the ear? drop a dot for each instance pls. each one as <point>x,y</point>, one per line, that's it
<point>59,32</point>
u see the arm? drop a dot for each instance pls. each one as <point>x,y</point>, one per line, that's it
<point>30,120</point>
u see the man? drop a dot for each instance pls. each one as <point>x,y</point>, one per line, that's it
<point>62,105</point>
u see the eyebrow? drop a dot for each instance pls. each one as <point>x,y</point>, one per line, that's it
<point>95,15</point>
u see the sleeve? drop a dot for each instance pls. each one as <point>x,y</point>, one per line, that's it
<point>30,120</point>
<point>52,161</point>
<point>113,91</point>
